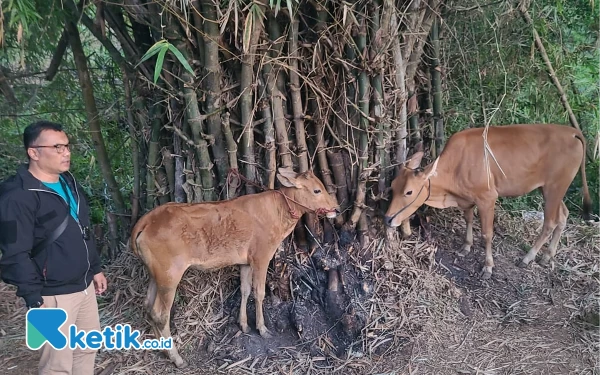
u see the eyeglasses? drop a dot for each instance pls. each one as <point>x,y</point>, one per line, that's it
<point>60,148</point>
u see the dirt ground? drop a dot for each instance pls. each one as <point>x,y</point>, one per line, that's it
<point>401,307</point>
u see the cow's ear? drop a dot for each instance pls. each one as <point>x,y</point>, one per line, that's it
<point>415,161</point>
<point>287,182</point>
<point>430,169</point>
<point>287,177</point>
<point>287,172</point>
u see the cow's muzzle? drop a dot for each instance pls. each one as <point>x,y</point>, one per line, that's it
<point>389,219</point>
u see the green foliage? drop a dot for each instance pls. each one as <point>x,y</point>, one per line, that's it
<point>493,66</point>
<point>161,47</point>
<point>60,100</point>
<point>21,13</point>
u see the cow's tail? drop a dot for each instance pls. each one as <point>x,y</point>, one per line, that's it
<point>135,233</point>
<point>587,200</point>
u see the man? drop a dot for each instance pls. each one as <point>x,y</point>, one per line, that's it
<point>40,199</point>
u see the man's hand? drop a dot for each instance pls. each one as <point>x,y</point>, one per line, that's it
<point>100,283</point>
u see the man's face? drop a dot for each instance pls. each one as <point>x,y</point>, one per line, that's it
<point>48,158</point>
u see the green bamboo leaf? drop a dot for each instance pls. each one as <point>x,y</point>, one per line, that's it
<point>289,5</point>
<point>181,59</point>
<point>277,7</point>
<point>152,51</point>
<point>159,62</point>
<point>258,14</point>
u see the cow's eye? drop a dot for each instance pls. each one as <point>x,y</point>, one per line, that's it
<point>408,193</point>
<point>317,191</point>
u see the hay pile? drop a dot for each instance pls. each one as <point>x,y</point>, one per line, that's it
<point>421,309</point>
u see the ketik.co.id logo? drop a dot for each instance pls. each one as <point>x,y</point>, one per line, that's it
<point>44,324</point>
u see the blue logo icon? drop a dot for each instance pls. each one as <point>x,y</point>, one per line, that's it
<point>43,325</point>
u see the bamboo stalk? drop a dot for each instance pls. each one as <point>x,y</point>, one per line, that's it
<point>231,145</point>
<point>324,165</point>
<point>301,151</point>
<point>359,201</point>
<point>162,185</point>
<point>179,174</point>
<point>269,134</point>
<point>400,70</point>
<point>141,111</point>
<point>438,121</point>
<point>272,76</point>
<point>169,164</point>
<point>153,145</point>
<point>173,152</point>
<point>197,21</point>
<point>212,88</point>
<point>194,119</point>
<point>234,182</point>
<point>377,65</point>
<point>339,175</point>
<point>363,92</point>
<point>167,149</point>
<point>352,125</point>
<point>247,113</point>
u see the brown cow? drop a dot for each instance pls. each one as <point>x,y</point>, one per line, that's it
<point>244,231</point>
<point>544,156</point>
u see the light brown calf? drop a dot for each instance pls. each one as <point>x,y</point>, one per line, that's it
<point>244,231</point>
<point>544,156</point>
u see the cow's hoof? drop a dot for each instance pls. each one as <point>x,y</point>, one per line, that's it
<point>264,332</point>
<point>466,249</point>
<point>521,264</point>
<point>486,275</point>
<point>180,363</point>
<point>245,328</point>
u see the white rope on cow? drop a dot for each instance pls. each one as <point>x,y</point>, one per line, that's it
<point>486,146</point>
<point>487,149</point>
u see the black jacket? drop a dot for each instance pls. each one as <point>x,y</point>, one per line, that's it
<point>29,212</point>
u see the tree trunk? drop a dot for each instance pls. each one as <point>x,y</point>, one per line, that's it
<point>135,156</point>
<point>93,116</point>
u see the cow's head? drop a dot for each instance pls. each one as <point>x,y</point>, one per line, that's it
<point>307,190</point>
<point>410,189</point>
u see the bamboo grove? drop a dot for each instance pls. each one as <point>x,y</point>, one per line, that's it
<point>213,89</point>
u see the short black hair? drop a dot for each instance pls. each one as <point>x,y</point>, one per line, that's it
<point>33,131</point>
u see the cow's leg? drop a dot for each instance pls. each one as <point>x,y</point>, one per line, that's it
<point>468,214</point>
<point>551,210</point>
<point>486,216</point>
<point>563,214</point>
<point>151,295</point>
<point>161,311</point>
<point>245,288</point>
<point>259,275</point>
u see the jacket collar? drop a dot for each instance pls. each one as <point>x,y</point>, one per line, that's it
<point>30,182</point>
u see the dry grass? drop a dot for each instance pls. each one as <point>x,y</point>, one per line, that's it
<point>425,312</point>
